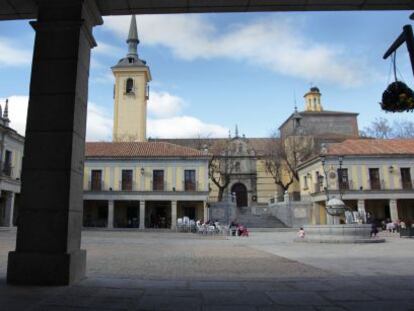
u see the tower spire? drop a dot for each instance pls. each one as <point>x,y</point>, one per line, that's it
<point>236,132</point>
<point>133,38</point>
<point>6,110</point>
<point>6,113</point>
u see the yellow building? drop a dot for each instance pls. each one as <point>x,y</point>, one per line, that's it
<point>143,184</point>
<point>370,175</point>
<point>133,183</point>
<point>110,166</point>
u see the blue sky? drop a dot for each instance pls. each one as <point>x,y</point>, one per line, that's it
<point>213,71</point>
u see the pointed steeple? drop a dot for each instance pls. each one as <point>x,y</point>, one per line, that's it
<point>6,110</point>
<point>133,38</point>
<point>236,132</point>
<point>6,113</point>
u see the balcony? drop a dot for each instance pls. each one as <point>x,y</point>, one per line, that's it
<point>158,186</point>
<point>95,186</point>
<point>376,184</point>
<point>6,169</point>
<point>190,186</point>
<point>406,184</point>
<point>127,185</point>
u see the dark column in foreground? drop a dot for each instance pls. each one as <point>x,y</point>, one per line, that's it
<point>50,219</point>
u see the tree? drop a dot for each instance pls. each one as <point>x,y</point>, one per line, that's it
<point>221,165</point>
<point>283,157</point>
<point>381,128</point>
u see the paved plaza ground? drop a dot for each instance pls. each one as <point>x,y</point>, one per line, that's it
<point>129,270</point>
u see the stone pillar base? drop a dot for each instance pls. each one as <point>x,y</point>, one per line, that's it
<point>46,268</point>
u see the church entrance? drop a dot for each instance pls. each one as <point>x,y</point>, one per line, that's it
<point>240,191</point>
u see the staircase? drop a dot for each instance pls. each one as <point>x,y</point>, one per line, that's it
<point>246,218</point>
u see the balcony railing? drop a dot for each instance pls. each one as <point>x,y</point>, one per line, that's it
<point>96,186</point>
<point>6,169</point>
<point>125,185</point>
<point>406,184</point>
<point>132,186</point>
<point>190,186</point>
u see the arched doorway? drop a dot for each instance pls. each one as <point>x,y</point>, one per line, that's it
<point>241,194</point>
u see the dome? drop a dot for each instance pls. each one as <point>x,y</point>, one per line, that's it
<point>334,202</point>
<point>315,89</point>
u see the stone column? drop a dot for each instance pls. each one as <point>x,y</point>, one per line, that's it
<point>205,211</point>
<point>110,224</point>
<point>361,210</point>
<point>9,209</point>
<point>393,210</point>
<point>316,219</point>
<point>173,215</point>
<point>50,216</point>
<point>142,214</point>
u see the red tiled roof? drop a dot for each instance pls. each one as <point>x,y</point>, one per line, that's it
<point>139,149</point>
<point>259,145</point>
<point>372,147</point>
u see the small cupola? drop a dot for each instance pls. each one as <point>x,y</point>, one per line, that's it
<point>313,100</point>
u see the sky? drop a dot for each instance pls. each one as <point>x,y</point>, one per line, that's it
<point>213,71</point>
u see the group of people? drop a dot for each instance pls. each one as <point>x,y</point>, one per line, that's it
<point>238,229</point>
<point>386,224</point>
<point>393,226</point>
<point>211,226</point>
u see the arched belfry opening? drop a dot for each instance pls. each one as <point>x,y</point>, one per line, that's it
<point>129,89</point>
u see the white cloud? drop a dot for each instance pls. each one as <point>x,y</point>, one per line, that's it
<point>164,124</point>
<point>99,123</point>
<point>163,104</point>
<point>183,127</point>
<point>12,54</point>
<point>107,49</point>
<point>103,78</point>
<point>17,112</point>
<point>278,44</point>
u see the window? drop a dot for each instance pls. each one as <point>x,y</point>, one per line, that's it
<point>158,180</point>
<point>374,179</point>
<point>7,165</point>
<point>406,178</point>
<point>343,182</point>
<point>129,86</point>
<point>96,180</point>
<point>305,182</point>
<point>126,180</point>
<point>319,182</point>
<point>189,180</point>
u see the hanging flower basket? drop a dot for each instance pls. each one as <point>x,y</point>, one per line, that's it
<point>398,97</point>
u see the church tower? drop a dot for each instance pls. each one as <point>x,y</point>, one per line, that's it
<point>131,92</point>
<point>313,100</point>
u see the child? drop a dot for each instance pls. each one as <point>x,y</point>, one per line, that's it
<point>301,233</point>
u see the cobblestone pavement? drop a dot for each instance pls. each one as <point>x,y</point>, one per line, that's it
<point>267,271</point>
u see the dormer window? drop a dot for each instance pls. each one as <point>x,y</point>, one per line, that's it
<point>129,86</point>
<point>130,60</point>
